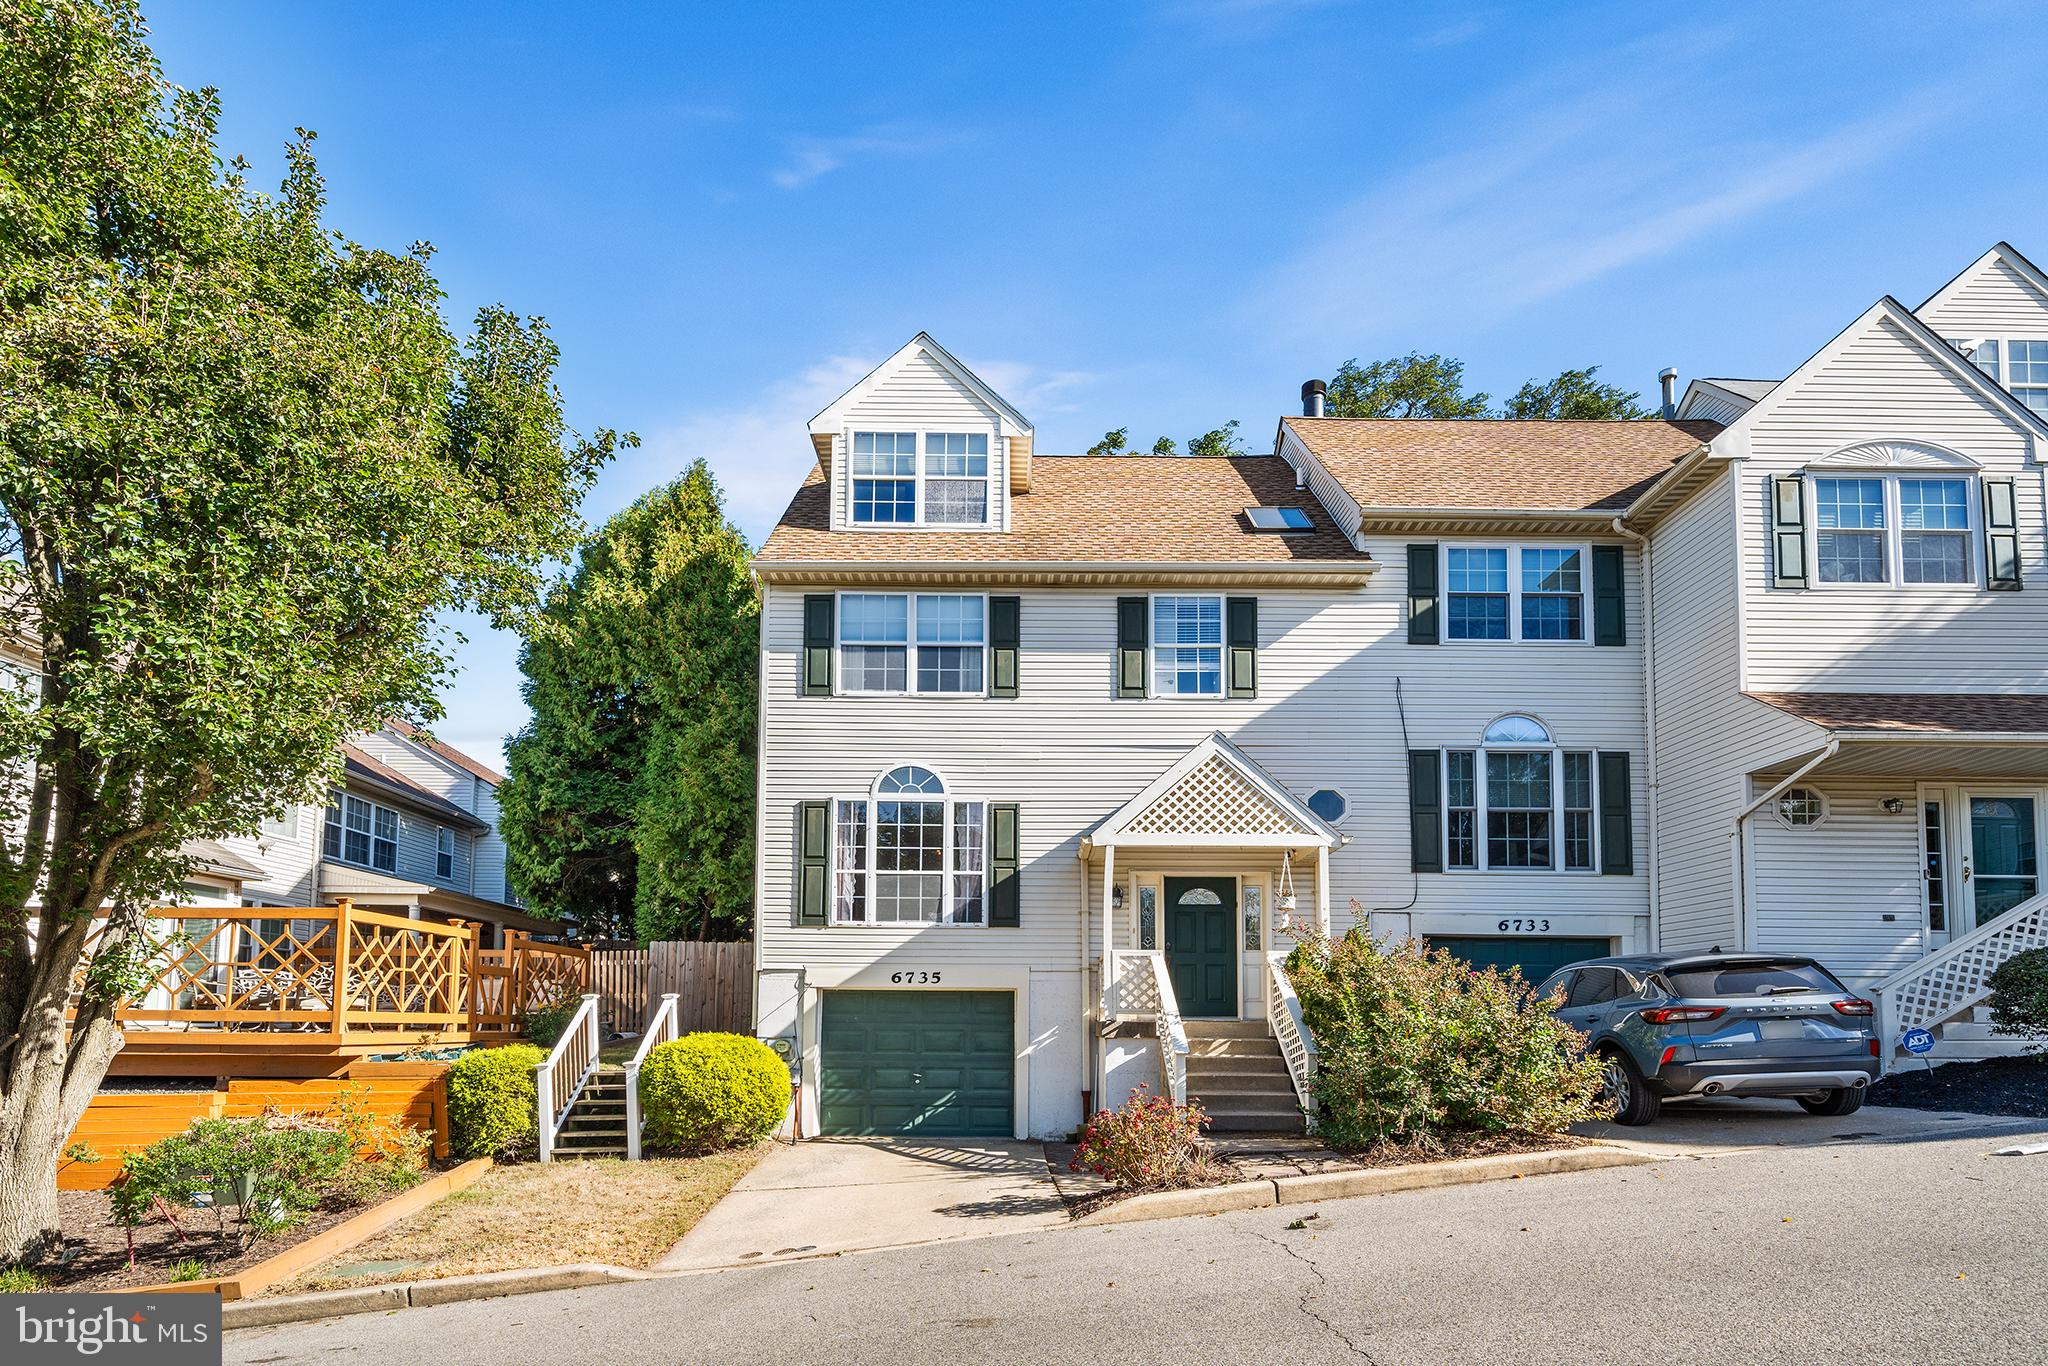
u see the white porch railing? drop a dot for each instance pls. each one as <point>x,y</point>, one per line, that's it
<point>1954,978</point>
<point>559,1080</point>
<point>1283,1016</point>
<point>1136,986</point>
<point>660,1030</point>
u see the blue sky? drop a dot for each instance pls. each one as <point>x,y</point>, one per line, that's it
<point>1154,214</point>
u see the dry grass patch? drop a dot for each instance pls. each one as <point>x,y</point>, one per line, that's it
<point>545,1214</point>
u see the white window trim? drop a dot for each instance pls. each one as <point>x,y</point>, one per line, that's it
<point>1514,550</point>
<point>2002,370</point>
<point>1222,648</point>
<point>873,797</point>
<point>1827,809</point>
<point>839,670</point>
<point>1341,793</point>
<point>1479,808</point>
<point>444,847</point>
<point>1894,529</point>
<point>917,520</point>
<point>340,804</point>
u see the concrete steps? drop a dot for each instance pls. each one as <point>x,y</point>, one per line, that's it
<point>1236,1072</point>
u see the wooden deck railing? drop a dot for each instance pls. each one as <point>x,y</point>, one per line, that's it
<point>337,974</point>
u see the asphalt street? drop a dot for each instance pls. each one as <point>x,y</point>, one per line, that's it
<point>1929,1250</point>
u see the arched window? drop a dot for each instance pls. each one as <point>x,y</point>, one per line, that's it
<point>909,853</point>
<point>1518,801</point>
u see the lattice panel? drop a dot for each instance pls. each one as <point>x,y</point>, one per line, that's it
<point>551,977</point>
<point>1215,799</point>
<point>1135,988</point>
<point>1955,980</point>
<point>404,970</point>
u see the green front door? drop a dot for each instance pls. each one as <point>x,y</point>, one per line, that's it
<point>918,1063</point>
<point>1201,945</point>
<point>1536,957</point>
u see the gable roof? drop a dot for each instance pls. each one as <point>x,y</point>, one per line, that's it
<point>359,769</point>
<point>1215,794</point>
<point>2002,253</point>
<point>1088,512</point>
<point>829,417</point>
<point>448,752</point>
<point>1496,465</point>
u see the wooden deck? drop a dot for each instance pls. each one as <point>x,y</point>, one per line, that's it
<point>306,991</point>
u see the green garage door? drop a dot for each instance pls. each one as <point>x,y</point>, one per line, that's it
<point>1537,958</point>
<point>918,1063</point>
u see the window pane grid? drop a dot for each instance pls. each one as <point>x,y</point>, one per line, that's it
<point>1553,601</point>
<point>967,863</point>
<point>1188,646</point>
<point>875,630</point>
<point>1462,805</point>
<point>1849,514</point>
<point>1476,585</point>
<point>1934,527</point>
<point>1518,810</point>
<point>850,861</point>
<point>1578,811</point>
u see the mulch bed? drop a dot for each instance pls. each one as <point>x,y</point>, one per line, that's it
<point>1994,1086</point>
<point>94,1254</point>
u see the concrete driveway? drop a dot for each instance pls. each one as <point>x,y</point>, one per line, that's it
<point>1712,1128</point>
<point>843,1195</point>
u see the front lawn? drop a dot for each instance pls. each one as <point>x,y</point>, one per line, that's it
<point>544,1214</point>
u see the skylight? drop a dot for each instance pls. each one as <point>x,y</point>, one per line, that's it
<point>1278,519</point>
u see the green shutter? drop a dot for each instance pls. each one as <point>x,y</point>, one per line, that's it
<point>1241,623</point>
<point>1002,865</point>
<point>1005,628</point>
<point>1617,820</point>
<point>1130,646</point>
<point>814,862</point>
<point>1610,606</point>
<point>817,645</point>
<point>1422,595</point>
<point>2001,537</point>
<point>1425,811</point>
<point>1788,532</point>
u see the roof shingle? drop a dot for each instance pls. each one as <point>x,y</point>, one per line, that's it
<point>1919,713</point>
<point>1497,464</point>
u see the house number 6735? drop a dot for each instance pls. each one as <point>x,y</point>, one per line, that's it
<point>914,979</point>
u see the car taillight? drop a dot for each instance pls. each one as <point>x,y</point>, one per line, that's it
<point>1682,1014</point>
<point>1873,1048</point>
<point>1670,1052</point>
<point>1853,1005</point>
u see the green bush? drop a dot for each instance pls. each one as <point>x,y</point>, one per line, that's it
<point>1148,1143</point>
<point>708,1091</point>
<point>544,1025</point>
<point>2019,995</point>
<point>1414,1046</point>
<point>273,1170</point>
<point>491,1100</point>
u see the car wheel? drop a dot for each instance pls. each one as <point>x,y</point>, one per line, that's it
<point>1840,1101</point>
<point>1623,1087</point>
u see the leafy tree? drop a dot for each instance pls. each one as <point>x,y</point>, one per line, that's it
<point>1413,385</point>
<point>1575,394</point>
<point>1218,441</point>
<point>1118,443</point>
<point>245,469</point>
<point>631,794</point>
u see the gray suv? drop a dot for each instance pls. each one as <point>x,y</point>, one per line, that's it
<point>1680,1027</point>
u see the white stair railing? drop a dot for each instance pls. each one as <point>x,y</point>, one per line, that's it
<point>1136,986</point>
<point>1297,1045</point>
<point>1956,977</point>
<point>559,1080</point>
<point>660,1030</point>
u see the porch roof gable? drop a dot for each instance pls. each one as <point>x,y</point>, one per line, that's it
<point>1214,795</point>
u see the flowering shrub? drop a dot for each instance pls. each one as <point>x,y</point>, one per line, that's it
<point>1413,1045</point>
<point>1148,1143</point>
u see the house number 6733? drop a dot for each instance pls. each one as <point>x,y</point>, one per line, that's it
<point>914,979</point>
<point>1520,926</point>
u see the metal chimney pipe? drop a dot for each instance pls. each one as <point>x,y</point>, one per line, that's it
<point>1312,398</point>
<point>1667,379</point>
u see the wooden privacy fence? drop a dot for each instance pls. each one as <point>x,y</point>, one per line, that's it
<point>713,983</point>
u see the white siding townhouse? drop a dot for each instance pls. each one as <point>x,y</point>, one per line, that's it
<point>1055,750</point>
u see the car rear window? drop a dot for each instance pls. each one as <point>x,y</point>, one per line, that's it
<point>1750,979</point>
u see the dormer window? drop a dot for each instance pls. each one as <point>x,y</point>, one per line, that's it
<point>891,487</point>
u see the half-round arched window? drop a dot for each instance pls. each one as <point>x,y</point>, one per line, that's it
<point>1200,896</point>
<point>1517,729</point>
<point>909,779</point>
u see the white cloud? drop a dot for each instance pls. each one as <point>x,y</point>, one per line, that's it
<point>812,157</point>
<point>1570,177</point>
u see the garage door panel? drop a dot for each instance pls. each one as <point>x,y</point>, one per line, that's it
<point>1536,955</point>
<point>918,1063</point>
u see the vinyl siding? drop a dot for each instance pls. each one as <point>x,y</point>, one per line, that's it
<point>1885,386</point>
<point>289,860</point>
<point>479,859</point>
<point>920,396</point>
<point>1825,890</point>
<point>1708,735</point>
<point>1997,302</point>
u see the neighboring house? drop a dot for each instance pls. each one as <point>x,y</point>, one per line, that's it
<point>1056,749</point>
<point>411,829</point>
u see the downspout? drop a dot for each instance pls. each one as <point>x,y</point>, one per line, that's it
<point>1826,752</point>
<point>1642,544</point>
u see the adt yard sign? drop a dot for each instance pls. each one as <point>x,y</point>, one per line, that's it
<point>1917,1042</point>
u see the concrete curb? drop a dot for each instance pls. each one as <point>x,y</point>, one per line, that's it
<point>1340,1185</point>
<point>371,1299</point>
